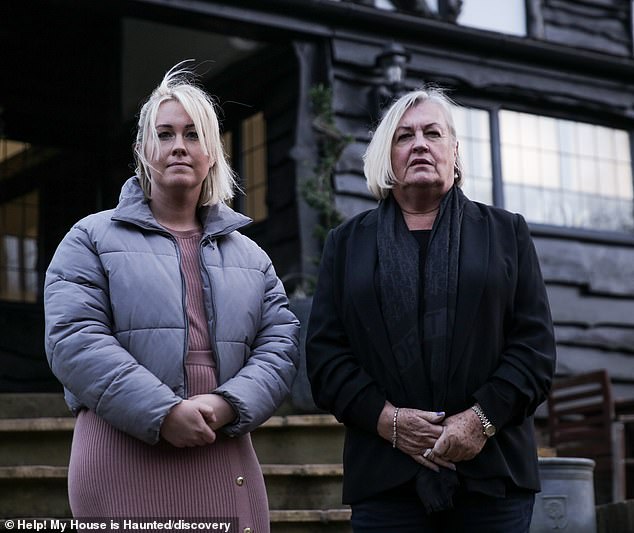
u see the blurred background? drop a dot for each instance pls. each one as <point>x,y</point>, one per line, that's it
<point>544,93</point>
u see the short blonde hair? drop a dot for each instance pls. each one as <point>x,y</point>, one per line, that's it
<point>179,85</point>
<point>377,160</point>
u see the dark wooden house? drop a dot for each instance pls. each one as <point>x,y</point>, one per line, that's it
<point>545,90</point>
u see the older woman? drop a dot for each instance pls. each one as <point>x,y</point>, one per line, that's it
<point>170,331</point>
<point>431,339</point>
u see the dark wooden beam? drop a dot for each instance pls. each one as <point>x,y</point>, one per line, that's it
<point>314,18</point>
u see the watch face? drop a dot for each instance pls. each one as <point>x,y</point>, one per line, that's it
<point>489,431</point>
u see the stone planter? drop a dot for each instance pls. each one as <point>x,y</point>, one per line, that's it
<point>566,503</point>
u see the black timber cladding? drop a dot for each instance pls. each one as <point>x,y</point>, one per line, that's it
<point>590,281</point>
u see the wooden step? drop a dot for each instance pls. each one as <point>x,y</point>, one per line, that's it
<point>299,439</point>
<point>304,486</point>
<point>312,520</point>
<point>38,490</point>
<point>26,441</point>
<point>32,405</point>
<point>34,490</point>
<point>301,457</point>
<point>292,439</point>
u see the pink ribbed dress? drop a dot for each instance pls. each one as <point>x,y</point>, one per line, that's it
<point>112,474</point>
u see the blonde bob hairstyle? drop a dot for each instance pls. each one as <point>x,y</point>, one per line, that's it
<point>179,85</point>
<point>377,160</point>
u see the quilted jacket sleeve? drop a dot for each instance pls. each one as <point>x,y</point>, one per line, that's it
<point>84,355</point>
<point>260,387</point>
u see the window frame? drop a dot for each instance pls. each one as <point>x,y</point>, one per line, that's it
<point>22,270</point>
<point>257,229</point>
<point>577,115</point>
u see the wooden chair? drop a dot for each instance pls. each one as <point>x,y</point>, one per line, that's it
<point>581,422</point>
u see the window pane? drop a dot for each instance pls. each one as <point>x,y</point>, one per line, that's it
<point>530,166</point>
<point>566,173</point>
<point>472,130</point>
<point>30,287</point>
<point>29,254</point>
<point>11,252</point>
<point>513,198</point>
<point>547,128</point>
<point>511,167</point>
<point>549,169</point>
<point>566,137</point>
<point>624,180</point>
<point>254,164</point>
<point>18,248</point>
<point>480,160</point>
<point>622,145</point>
<point>10,148</point>
<point>528,133</point>
<point>508,16</point>
<point>585,136</point>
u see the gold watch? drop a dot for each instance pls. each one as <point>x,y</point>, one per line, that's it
<point>487,428</point>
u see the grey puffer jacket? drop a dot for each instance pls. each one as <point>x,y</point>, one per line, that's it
<point>116,325</point>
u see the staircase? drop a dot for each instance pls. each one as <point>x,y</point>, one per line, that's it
<point>300,457</point>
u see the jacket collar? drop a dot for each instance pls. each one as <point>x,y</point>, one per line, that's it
<point>217,220</point>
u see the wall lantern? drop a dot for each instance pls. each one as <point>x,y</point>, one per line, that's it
<point>391,63</point>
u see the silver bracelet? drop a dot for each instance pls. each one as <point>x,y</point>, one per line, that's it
<point>394,427</point>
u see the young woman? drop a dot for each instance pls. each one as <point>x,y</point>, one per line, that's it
<point>170,331</point>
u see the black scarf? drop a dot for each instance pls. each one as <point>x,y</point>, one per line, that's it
<point>399,290</point>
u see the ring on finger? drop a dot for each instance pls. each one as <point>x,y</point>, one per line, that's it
<point>428,453</point>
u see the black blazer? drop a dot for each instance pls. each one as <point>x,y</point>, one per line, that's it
<point>502,356</point>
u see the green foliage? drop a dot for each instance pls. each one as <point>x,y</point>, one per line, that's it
<point>318,190</point>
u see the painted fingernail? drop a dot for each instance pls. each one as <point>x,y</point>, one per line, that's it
<point>440,413</point>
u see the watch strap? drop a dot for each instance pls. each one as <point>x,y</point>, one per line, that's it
<point>488,429</point>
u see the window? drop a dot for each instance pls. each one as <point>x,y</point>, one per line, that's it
<point>566,173</point>
<point>553,171</point>
<point>18,248</point>
<point>472,129</point>
<point>11,149</point>
<point>248,147</point>
<point>254,162</point>
<point>19,221</point>
<point>507,17</point>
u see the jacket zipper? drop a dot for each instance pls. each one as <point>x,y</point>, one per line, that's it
<point>212,318</point>
<point>184,303</point>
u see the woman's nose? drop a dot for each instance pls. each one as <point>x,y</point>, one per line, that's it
<point>420,143</point>
<point>179,144</point>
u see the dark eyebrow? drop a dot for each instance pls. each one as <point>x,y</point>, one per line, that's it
<point>187,126</point>
<point>431,124</point>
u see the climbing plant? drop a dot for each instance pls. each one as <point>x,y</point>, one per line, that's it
<point>318,189</point>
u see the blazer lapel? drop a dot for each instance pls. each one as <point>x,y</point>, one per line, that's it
<point>474,264</point>
<point>363,252</point>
